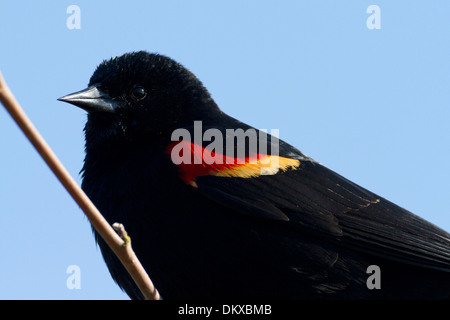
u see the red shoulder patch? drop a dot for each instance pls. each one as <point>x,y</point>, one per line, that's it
<point>194,161</point>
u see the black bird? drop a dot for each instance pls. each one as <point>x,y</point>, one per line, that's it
<point>210,220</point>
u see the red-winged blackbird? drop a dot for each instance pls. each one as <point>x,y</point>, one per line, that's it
<point>210,227</point>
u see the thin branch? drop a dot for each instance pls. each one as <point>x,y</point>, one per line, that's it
<point>120,247</point>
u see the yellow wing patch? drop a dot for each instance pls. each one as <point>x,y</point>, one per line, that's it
<point>268,165</point>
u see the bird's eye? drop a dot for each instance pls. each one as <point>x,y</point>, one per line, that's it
<point>138,93</point>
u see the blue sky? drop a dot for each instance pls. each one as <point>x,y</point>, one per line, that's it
<point>372,105</point>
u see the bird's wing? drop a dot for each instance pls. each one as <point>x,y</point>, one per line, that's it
<point>307,195</point>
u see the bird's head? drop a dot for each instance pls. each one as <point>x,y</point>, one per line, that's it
<point>140,95</point>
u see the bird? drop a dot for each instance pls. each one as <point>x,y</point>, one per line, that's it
<point>218,209</point>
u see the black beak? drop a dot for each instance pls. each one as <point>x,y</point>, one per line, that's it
<point>92,99</point>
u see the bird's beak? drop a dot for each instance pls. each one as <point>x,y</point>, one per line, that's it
<point>92,99</point>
